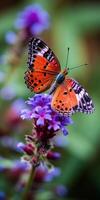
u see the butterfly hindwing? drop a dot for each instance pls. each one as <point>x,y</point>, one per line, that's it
<point>85,103</point>
<point>43,66</point>
<point>71,97</point>
<point>64,98</point>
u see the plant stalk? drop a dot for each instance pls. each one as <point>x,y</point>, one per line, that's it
<point>29,184</point>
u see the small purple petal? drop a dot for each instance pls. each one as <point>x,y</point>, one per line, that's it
<point>47,116</point>
<point>51,174</point>
<point>40,121</point>
<point>26,114</point>
<point>64,130</point>
<point>34,115</point>
<point>20,147</point>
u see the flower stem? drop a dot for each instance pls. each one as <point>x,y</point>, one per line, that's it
<point>29,184</point>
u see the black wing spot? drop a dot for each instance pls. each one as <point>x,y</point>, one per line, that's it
<point>65,93</point>
<point>86,97</point>
<point>44,73</point>
<point>70,90</point>
<point>58,106</point>
<point>35,84</point>
<point>32,81</point>
<point>31,75</point>
<point>60,101</point>
<point>39,81</point>
<point>31,66</point>
<point>46,65</point>
<point>66,108</point>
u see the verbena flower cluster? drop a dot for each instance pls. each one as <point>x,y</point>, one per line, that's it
<point>33,18</point>
<point>30,22</point>
<point>46,124</point>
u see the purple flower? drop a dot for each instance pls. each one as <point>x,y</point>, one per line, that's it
<point>41,114</point>
<point>10,37</point>
<point>51,174</point>
<point>7,93</point>
<point>39,100</point>
<point>54,124</point>
<point>20,165</point>
<point>53,155</point>
<point>34,19</point>
<point>40,110</point>
<point>46,124</point>
<point>2,195</point>
<point>61,191</point>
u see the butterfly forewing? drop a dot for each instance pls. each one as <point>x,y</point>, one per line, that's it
<point>38,81</point>
<point>43,66</point>
<point>71,97</point>
<point>38,49</point>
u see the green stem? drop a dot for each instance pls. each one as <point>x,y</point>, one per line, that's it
<point>29,184</point>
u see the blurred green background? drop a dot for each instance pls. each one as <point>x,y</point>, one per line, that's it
<point>74,24</point>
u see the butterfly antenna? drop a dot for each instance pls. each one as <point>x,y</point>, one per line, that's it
<point>67,57</point>
<point>77,66</point>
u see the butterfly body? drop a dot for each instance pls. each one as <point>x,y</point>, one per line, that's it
<point>44,72</point>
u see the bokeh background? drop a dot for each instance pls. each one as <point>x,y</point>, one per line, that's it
<point>74,24</point>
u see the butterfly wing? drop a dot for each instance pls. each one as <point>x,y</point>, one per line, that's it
<point>71,97</point>
<point>43,66</point>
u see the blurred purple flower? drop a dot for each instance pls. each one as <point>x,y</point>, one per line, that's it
<point>2,195</point>
<point>20,165</point>
<point>53,155</point>
<point>61,191</point>
<point>52,174</point>
<point>7,93</point>
<point>60,141</point>
<point>17,105</point>
<point>10,37</point>
<point>34,19</point>
<point>2,76</point>
<point>8,142</point>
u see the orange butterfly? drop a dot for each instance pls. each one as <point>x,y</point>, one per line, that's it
<point>44,71</point>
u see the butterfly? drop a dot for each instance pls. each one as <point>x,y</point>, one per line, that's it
<point>44,72</point>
